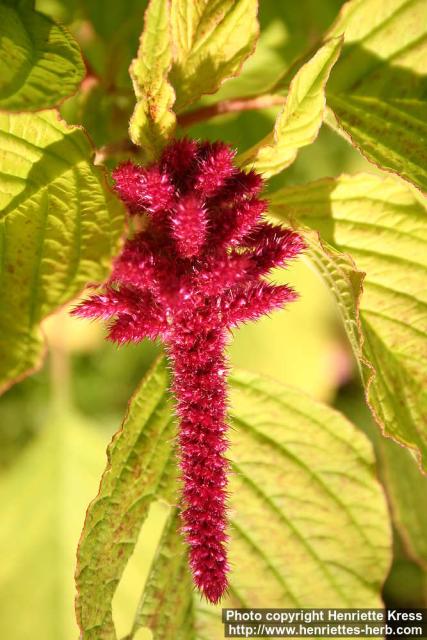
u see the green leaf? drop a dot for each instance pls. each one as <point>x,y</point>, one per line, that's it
<point>43,500</point>
<point>110,17</point>
<point>287,30</point>
<point>59,227</point>
<point>167,603</point>
<point>285,477</point>
<point>104,116</point>
<point>298,123</point>
<point>378,89</point>
<point>282,477</point>
<point>139,470</point>
<point>382,223</point>
<point>40,62</point>
<point>114,30</point>
<point>153,121</point>
<point>406,489</point>
<point>296,465</point>
<point>212,39</point>
<point>186,50</point>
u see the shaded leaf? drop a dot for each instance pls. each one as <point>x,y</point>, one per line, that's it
<point>407,494</point>
<point>378,89</point>
<point>59,227</point>
<point>383,225</point>
<point>153,121</point>
<point>104,116</point>
<point>111,47</point>
<point>298,123</point>
<point>167,605</point>
<point>211,38</point>
<point>406,490</point>
<point>40,62</point>
<point>110,17</point>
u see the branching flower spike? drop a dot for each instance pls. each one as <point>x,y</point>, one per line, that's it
<point>196,270</point>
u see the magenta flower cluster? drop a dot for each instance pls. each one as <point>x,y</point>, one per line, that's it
<point>196,269</point>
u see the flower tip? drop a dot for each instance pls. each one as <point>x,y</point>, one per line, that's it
<point>77,311</point>
<point>298,243</point>
<point>214,591</point>
<point>83,310</point>
<point>127,182</point>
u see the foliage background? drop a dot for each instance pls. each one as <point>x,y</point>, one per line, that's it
<point>55,425</point>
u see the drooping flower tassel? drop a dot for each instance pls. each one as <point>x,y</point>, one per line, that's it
<point>197,269</point>
<point>200,390</point>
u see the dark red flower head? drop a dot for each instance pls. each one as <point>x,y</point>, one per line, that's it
<point>197,269</point>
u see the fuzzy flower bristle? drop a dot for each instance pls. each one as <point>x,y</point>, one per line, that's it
<point>196,270</point>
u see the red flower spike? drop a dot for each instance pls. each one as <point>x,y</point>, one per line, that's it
<point>189,226</point>
<point>128,178</point>
<point>272,247</point>
<point>195,271</point>
<point>215,167</point>
<point>241,185</point>
<point>179,161</point>
<point>143,190</point>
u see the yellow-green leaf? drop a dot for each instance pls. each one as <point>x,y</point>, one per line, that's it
<point>187,49</point>
<point>283,477</point>
<point>298,123</point>
<point>153,121</point>
<point>167,605</point>
<point>139,469</point>
<point>287,31</point>
<point>211,39</point>
<point>59,227</point>
<point>406,489</point>
<point>382,224</point>
<point>378,89</point>
<point>300,473</point>
<point>40,62</point>
<point>43,497</point>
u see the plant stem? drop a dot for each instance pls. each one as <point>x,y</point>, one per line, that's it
<point>228,106</point>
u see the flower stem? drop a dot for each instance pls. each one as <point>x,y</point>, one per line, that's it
<point>189,118</point>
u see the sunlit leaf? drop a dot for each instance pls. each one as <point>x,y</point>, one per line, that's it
<point>138,471</point>
<point>40,62</point>
<point>299,121</point>
<point>287,31</point>
<point>186,50</point>
<point>382,224</point>
<point>211,38</point>
<point>59,227</point>
<point>283,477</point>
<point>153,121</point>
<point>296,465</point>
<point>378,89</point>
